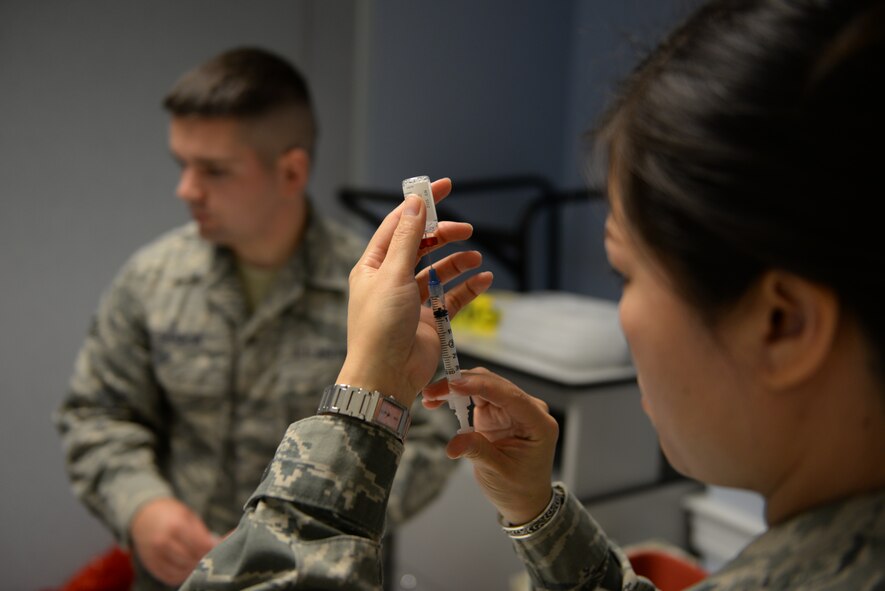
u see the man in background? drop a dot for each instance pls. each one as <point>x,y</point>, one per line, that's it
<point>217,335</point>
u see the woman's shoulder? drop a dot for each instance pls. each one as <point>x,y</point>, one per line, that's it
<point>840,545</point>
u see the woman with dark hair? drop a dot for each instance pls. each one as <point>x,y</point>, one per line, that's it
<point>742,161</point>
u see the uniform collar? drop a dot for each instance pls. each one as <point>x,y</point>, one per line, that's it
<point>313,265</point>
<point>211,263</point>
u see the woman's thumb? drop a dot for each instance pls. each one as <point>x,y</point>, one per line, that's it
<point>408,233</point>
<point>468,445</point>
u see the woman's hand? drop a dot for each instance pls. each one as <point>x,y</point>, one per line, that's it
<point>392,345</point>
<point>513,446</point>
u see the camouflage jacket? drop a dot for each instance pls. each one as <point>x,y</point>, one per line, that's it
<point>316,519</point>
<point>839,546</point>
<point>179,391</point>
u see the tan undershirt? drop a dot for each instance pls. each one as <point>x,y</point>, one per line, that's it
<point>257,282</point>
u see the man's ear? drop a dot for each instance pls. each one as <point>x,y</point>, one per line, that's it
<point>797,322</point>
<point>293,167</point>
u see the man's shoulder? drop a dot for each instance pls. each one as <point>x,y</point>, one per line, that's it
<point>342,244</point>
<point>178,251</point>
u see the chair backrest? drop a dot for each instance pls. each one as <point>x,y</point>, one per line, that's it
<point>497,208</point>
<point>551,219</point>
<point>516,221</point>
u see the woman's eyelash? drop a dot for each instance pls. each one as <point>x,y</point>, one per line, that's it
<point>617,275</point>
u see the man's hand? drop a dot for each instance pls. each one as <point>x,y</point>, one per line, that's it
<point>169,539</point>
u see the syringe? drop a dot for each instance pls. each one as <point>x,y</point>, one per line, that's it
<point>451,365</point>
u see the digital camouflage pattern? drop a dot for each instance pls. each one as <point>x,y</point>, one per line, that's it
<point>836,547</point>
<point>316,520</point>
<point>179,390</point>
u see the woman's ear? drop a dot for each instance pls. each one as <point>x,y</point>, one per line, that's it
<point>795,322</point>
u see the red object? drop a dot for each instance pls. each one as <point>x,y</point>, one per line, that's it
<point>429,241</point>
<point>667,571</point>
<point>112,571</point>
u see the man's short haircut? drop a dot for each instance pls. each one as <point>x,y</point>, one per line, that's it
<point>251,84</point>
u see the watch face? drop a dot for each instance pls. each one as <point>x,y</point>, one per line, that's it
<point>389,415</point>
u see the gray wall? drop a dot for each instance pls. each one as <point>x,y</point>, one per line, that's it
<point>467,89</point>
<point>85,178</point>
<point>607,40</point>
<point>461,88</point>
<point>500,75</point>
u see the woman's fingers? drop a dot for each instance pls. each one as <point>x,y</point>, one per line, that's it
<point>403,244</point>
<point>441,189</point>
<point>513,446</point>
<point>448,268</point>
<point>465,292</point>
<point>447,233</point>
<point>435,390</point>
<point>471,446</point>
<point>376,250</point>
<point>487,388</point>
<point>451,267</point>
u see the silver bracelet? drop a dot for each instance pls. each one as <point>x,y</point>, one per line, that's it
<point>539,522</point>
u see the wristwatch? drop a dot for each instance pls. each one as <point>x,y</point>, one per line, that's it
<point>367,405</point>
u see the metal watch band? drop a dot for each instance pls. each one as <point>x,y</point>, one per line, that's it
<point>367,405</point>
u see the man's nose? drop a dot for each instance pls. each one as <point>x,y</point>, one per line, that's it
<point>189,188</point>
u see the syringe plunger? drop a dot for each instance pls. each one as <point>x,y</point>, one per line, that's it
<point>461,406</point>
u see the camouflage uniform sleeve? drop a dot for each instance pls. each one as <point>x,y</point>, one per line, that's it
<point>425,467</point>
<point>316,519</point>
<point>572,552</point>
<point>110,418</point>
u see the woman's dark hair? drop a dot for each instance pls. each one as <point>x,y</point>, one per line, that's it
<point>752,139</point>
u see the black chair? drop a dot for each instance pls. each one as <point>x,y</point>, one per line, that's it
<point>545,222</point>
<point>516,220</point>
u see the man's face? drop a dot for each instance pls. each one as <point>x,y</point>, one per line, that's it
<point>232,194</point>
